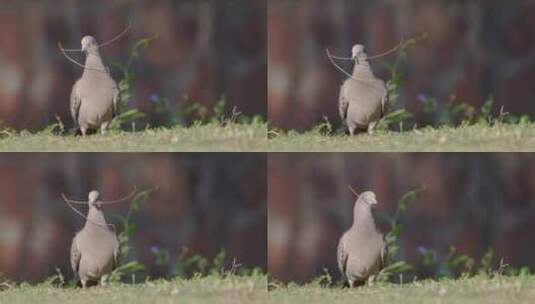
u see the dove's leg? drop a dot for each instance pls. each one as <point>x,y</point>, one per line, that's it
<point>371,127</point>
<point>351,283</point>
<point>353,127</point>
<point>371,280</point>
<point>103,280</point>
<point>84,284</point>
<point>83,130</point>
<point>104,127</point>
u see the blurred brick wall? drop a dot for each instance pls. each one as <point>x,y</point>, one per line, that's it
<point>475,49</point>
<point>205,202</point>
<point>206,49</point>
<point>472,201</point>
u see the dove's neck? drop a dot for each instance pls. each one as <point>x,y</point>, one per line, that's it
<point>362,68</point>
<point>95,219</point>
<point>93,62</point>
<point>363,217</point>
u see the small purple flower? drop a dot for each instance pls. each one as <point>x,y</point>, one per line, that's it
<point>154,249</point>
<point>154,97</point>
<point>421,97</point>
<point>422,249</point>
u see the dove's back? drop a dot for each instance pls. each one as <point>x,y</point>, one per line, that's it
<point>97,246</point>
<point>364,99</point>
<point>364,253</point>
<point>97,91</point>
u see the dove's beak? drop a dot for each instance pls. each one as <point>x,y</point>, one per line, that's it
<point>84,48</point>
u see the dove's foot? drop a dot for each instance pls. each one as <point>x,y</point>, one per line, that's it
<point>83,130</point>
<point>103,281</point>
<point>84,284</point>
<point>104,128</point>
<point>371,127</point>
<point>371,280</point>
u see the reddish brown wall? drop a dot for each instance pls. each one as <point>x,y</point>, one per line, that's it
<point>472,201</point>
<point>205,49</point>
<point>475,49</point>
<point>205,202</point>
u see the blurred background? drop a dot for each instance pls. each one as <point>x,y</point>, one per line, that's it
<point>474,202</point>
<point>205,50</point>
<point>474,49</point>
<point>205,203</point>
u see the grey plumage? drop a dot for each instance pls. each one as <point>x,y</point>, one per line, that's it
<point>361,249</point>
<point>363,97</point>
<point>95,248</point>
<point>95,95</point>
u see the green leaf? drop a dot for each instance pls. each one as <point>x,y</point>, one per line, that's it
<point>126,270</point>
<point>395,117</point>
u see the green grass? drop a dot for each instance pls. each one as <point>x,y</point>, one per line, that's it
<point>211,137</point>
<point>252,289</point>
<point>252,137</point>
<point>211,289</point>
<point>479,289</point>
<point>479,137</point>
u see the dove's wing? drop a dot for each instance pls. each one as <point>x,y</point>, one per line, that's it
<point>342,256</point>
<point>76,256</point>
<point>76,102</point>
<point>116,255</point>
<point>115,102</point>
<point>343,104</point>
<point>383,256</point>
<point>384,103</point>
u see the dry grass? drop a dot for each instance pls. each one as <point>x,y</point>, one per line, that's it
<point>212,289</point>
<point>511,290</point>
<point>497,138</point>
<point>203,138</point>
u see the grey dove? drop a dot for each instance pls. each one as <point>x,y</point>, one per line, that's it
<point>95,95</point>
<point>95,248</point>
<point>363,97</point>
<point>361,249</point>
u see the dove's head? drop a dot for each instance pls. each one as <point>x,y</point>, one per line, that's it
<point>368,197</point>
<point>89,44</point>
<point>358,54</point>
<point>93,199</point>
<point>357,50</point>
